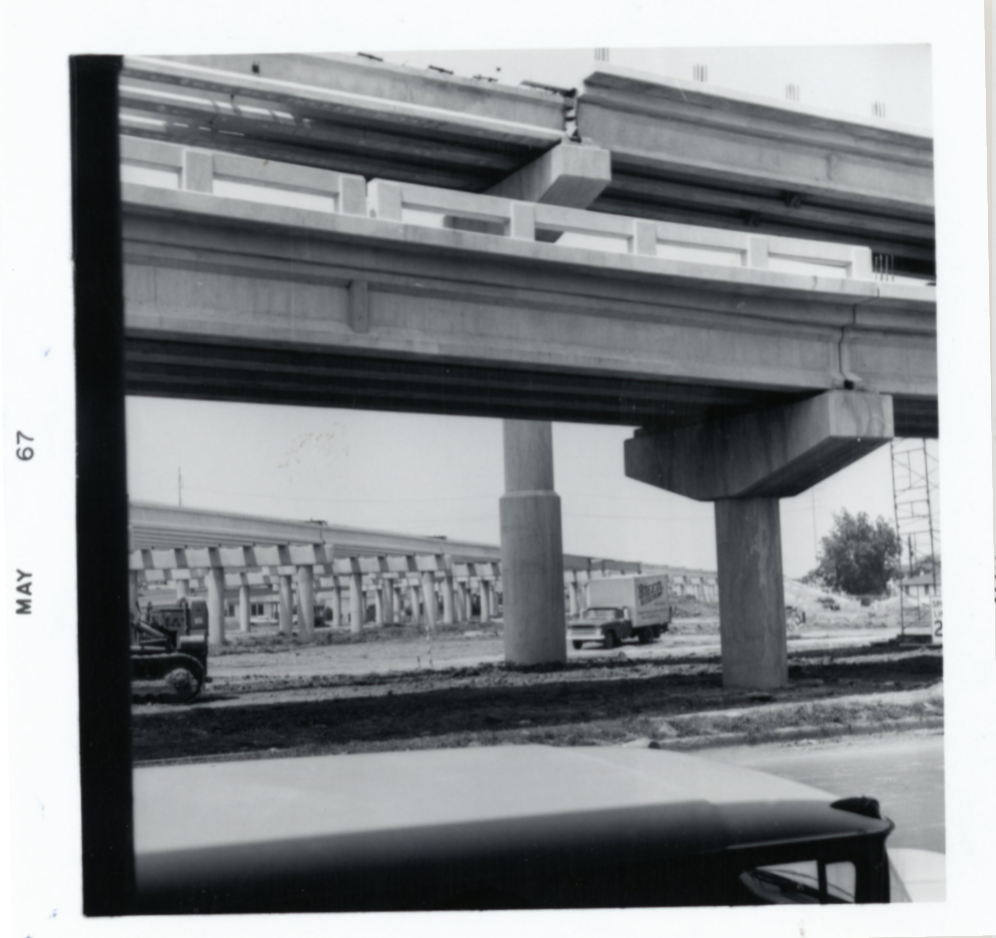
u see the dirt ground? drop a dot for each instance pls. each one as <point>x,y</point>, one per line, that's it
<point>389,688</point>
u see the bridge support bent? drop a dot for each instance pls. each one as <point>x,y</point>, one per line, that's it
<point>745,464</point>
<point>532,553</point>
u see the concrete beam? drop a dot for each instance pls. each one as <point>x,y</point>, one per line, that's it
<point>772,453</point>
<point>722,329</point>
<point>665,124</point>
<point>570,174</point>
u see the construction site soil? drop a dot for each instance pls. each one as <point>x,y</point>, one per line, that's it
<point>390,688</point>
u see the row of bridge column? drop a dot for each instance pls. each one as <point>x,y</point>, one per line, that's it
<point>390,596</point>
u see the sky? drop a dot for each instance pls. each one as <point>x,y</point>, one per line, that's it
<point>444,475</point>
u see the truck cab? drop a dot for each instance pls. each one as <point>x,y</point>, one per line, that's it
<point>609,625</point>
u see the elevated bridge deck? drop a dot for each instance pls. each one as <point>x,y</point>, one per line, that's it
<point>249,280</point>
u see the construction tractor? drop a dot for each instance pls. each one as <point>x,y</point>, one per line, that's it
<point>167,646</point>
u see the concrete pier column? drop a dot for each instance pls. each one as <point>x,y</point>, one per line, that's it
<point>182,589</point>
<point>387,590</point>
<point>484,602</point>
<point>752,607</point>
<point>447,590</point>
<point>414,598</point>
<point>286,608</point>
<point>356,610</point>
<point>532,553</point>
<point>215,581</point>
<point>572,595</point>
<point>463,602</point>
<point>306,601</point>
<point>244,608</point>
<point>429,599</point>
<point>378,598</point>
<point>336,606</point>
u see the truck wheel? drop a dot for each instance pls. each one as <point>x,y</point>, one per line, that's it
<point>644,636</point>
<point>577,645</point>
<point>610,640</point>
<point>186,685</point>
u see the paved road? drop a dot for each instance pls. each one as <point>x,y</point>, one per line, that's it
<point>905,773</point>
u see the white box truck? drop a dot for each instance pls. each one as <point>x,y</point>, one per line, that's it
<point>622,607</point>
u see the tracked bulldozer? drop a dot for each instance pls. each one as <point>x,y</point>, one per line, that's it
<point>168,648</point>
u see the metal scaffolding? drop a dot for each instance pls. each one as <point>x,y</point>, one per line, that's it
<point>915,477</point>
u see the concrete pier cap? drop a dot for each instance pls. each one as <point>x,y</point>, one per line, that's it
<point>744,464</point>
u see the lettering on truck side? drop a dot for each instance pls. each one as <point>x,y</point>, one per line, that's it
<point>648,592</point>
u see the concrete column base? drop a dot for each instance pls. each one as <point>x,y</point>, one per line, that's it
<point>751,601</point>
<point>532,557</point>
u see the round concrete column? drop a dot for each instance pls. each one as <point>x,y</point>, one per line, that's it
<point>484,602</point>
<point>429,599</point>
<point>286,607</point>
<point>572,597</point>
<point>751,601</point>
<point>387,589</point>
<point>532,553</point>
<point>182,589</point>
<point>306,601</point>
<point>244,608</point>
<point>447,588</point>
<point>414,600</point>
<point>336,606</point>
<point>215,581</point>
<point>463,610</point>
<point>378,596</point>
<point>356,610</point>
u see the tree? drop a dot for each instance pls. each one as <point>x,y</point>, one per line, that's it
<point>857,557</point>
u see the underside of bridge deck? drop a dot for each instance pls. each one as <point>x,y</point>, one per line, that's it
<point>249,373</point>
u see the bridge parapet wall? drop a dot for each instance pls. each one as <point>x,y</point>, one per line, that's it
<point>170,166</point>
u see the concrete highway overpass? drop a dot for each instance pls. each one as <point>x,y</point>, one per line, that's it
<point>747,283</point>
<point>232,556</point>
